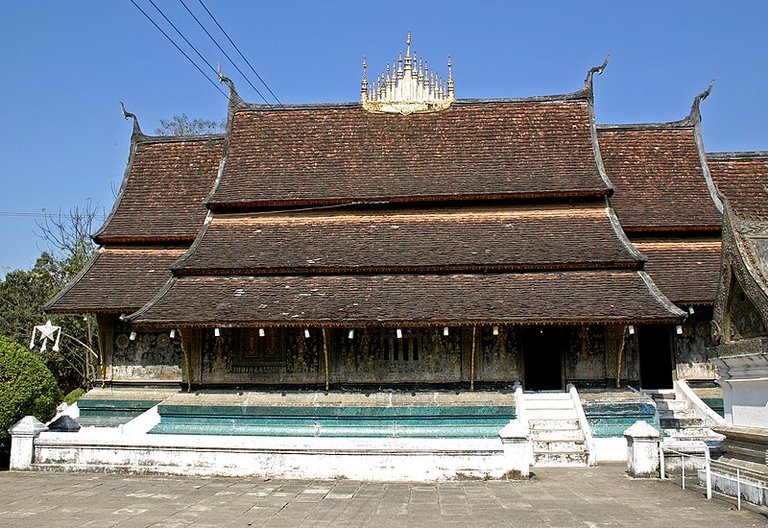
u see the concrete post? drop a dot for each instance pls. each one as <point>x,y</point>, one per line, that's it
<point>518,453</point>
<point>642,450</point>
<point>23,435</point>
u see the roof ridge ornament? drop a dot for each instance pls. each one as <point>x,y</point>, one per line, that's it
<point>695,114</point>
<point>408,86</point>
<point>128,115</point>
<point>591,73</point>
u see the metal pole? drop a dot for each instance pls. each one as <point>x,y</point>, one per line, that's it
<point>738,489</point>
<point>662,470</point>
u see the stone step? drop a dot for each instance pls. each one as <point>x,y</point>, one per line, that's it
<point>530,396</point>
<point>672,405</point>
<point>535,424</point>
<point>554,446</point>
<point>680,422</point>
<point>548,404</point>
<point>557,434</point>
<point>552,414</point>
<point>560,459</point>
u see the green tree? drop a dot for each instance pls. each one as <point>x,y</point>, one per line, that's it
<point>27,387</point>
<point>23,294</point>
<point>181,125</point>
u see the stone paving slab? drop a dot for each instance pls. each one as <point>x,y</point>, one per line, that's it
<point>570,497</point>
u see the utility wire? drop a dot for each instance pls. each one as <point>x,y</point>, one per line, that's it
<point>226,54</point>
<point>240,53</point>
<point>35,215</point>
<point>183,37</point>
<point>180,50</point>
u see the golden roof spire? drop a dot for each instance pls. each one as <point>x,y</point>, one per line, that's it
<point>408,87</point>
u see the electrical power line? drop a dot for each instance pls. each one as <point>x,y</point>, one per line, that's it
<point>31,214</point>
<point>226,54</point>
<point>183,37</point>
<point>240,53</point>
<point>179,49</point>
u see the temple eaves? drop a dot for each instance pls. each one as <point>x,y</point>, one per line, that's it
<point>408,87</point>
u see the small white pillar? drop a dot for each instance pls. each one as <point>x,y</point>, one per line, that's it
<point>642,450</point>
<point>23,435</point>
<point>517,449</point>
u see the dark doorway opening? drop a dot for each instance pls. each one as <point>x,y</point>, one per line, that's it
<point>655,346</point>
<point>543,358</point>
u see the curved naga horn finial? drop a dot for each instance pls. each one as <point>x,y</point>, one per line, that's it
<point>696,106</point>
<point>592,71</point>
<point>128,115</point>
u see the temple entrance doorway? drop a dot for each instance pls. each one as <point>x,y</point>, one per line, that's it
<point>542,358</point>
<point>655,346</point>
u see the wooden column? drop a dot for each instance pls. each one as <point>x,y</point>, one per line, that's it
<point>185,335</point>
<point>326,362</point>
<point>472,362</point>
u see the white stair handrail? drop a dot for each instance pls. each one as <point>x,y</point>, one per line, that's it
<point>583,423</point>
<point>522,413</point>
<point>701,409</point>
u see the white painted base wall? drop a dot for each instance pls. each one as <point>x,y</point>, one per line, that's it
<point>352,458</point>
<point>610,449</point>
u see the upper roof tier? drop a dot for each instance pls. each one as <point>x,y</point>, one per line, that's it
<point>661,179</point>
<point>522,237</point>
<point>743,178</point>
<point>161,198</point>
<point>338,154</point>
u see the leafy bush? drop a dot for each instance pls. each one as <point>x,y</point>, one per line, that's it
<point>73,396</point>
<point>27,387</point>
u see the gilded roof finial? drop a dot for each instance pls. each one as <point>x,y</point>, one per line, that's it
<point>408,86</point>
<point>364,82</point>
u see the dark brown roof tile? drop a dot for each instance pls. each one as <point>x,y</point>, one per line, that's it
<point>346,154</point>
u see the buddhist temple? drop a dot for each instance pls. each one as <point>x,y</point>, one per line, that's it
<point>475,260</point>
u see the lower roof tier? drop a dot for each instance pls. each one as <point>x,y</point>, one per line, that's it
<point>686,270</point>
<point>117,280</point>
<point>566,297</point>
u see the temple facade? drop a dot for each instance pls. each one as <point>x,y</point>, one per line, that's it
<point>411,239</point>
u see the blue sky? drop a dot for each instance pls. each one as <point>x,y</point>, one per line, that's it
<point>64,67</point>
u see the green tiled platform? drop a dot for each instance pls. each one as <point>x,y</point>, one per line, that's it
<point>111,413</point>
<point>336,421</point>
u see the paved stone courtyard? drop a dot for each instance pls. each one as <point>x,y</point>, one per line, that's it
<point>592,497</point>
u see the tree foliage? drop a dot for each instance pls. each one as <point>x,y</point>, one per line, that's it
<point>24,293</point>
<point>181,125</point>
<point>27,387</point>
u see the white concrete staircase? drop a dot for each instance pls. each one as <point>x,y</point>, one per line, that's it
<point>555,431</point>
<point>678,420</point>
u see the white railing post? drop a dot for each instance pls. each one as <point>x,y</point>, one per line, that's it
<point>682,465</point>
<point>708,473</point>
<point>738,489</point>
<point>662,468</point>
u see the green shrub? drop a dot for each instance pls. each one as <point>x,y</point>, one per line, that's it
<point>27,387</point>
<point>73,396</point>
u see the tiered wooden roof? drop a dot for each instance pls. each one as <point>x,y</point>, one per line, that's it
<point>743,178</point>
<point>667,203</point>
<point>158,212</point>
<point>338,154</point>
<point>490,211</point>
<point>660,178</point>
